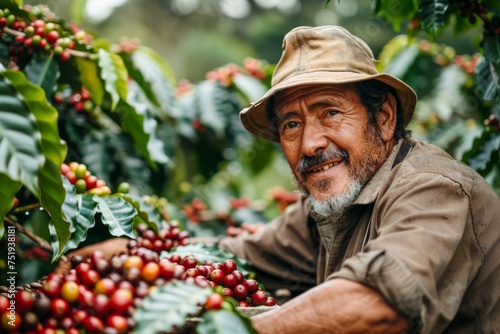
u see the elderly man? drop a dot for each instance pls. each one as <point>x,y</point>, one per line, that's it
<point>392,234</point>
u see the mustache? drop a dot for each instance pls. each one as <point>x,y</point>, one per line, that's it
<point>307,162</point>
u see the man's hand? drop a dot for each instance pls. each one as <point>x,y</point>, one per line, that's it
<point>109,247</point>
<point>336,306</point>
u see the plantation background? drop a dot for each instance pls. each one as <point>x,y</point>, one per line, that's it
<point>161,84</point>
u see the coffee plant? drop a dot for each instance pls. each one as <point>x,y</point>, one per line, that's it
<point>114,108</point>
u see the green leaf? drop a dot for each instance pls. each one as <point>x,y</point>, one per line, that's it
<point>81,210</point>
<point>204,253</point>
<point>145,211</point>
<point>8,191</point>
<point>403,61</point>
<point>117,214</point>
<point>51,192</point>
<point>215,104</point>
<point>224,322</point>
<point>43,71</point>
<point>395,12</point>
<point>169,307</point>
<point>485,151</point>
<point>114,75</point>
<point>448,97</point>
<point>432,15</point>
<point>492,49</point>
<point>89,76</point>
<point>252,88</point>
<point>487,81</point>
<point>21,156</point>
<point>137,120</point>
<point>157,72</point>
<point>137,77</point>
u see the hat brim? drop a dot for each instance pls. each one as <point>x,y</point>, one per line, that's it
<point>254,118</point>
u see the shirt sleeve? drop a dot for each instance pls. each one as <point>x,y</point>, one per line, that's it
<point>419,223</point>
<point>281,253</point>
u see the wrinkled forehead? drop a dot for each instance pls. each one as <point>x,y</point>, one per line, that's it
<point>294,94</point>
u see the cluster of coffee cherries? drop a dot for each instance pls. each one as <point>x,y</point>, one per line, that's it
<point>169,236</point>
<point>85,182</point>
<point>100,295</point>
<point>27,37</point>
<point>79,101</point>
<point>225,277</point>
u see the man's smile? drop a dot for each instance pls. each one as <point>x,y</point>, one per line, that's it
<point>324,167</point>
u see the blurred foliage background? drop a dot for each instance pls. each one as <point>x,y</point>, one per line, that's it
<point>195,36</point>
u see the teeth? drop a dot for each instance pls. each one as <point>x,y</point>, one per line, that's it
<point>325,167</point>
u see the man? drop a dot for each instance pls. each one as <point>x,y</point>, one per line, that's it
<point>392,234</point>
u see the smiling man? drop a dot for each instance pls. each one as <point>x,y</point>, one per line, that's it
<point>392,235</point>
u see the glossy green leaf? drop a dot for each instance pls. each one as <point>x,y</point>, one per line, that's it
<point>432,15</point>
<point>402,61</point>
<point>138,77</point>
<point>43,71</point>
<point>158,73</point>
<point>485,152</point>
<point>252,88</point>
<point>146,212</point>
<point>394,12</point>
<point>81,210</point>
<point>488,81</point>
<point>89,76</point>
<point>8,191</point>
<point>224,322</point>
<point>137,120</point>
<point>21,156</point>
<point>204,253</point>
<point>95,154</point>
<point>51,192</point>
<point>117,214</point>
<point>492,49</point>
<point>114,75</point>
<point>448,98</point>
<point>215,104</point>
<point>169,307</point>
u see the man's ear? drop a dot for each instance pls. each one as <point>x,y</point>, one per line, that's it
<point>386,118</point>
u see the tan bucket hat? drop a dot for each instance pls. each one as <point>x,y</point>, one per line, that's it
<point>322,55</point>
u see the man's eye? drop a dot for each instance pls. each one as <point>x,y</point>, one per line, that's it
<point>332,112</point>
<point>291,125</point>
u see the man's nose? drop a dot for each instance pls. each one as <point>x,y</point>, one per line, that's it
<point>314,139</point>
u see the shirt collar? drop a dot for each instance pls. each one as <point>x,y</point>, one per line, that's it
<point>370,190</point>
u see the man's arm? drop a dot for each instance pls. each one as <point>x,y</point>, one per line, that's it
<point>336,306</point>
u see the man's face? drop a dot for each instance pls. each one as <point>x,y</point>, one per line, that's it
<point>326,139</point>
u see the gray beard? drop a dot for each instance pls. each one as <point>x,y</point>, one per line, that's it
<point>334,208</point>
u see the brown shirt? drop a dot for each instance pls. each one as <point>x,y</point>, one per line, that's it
<point>425,233</point>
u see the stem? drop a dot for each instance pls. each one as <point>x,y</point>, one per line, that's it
<point>35,238</point>
<point>28,207</point>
